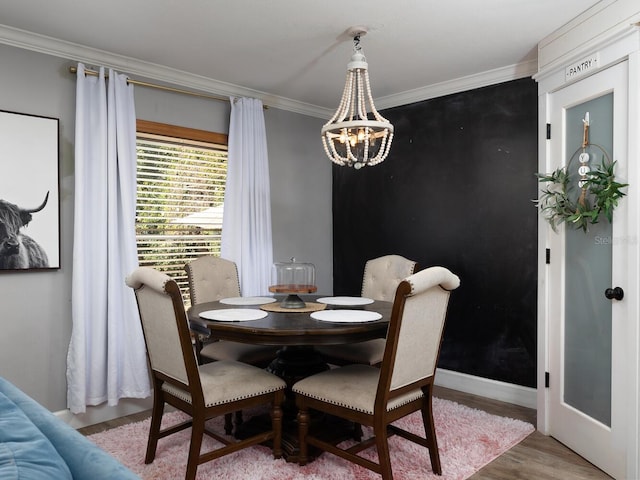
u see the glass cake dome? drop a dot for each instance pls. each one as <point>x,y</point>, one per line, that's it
<point>293,278</point>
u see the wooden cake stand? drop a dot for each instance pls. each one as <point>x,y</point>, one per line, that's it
<point>292,300</point>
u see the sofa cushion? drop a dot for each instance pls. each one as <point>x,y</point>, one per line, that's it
<point>25,453</point>
<point>84,458</point>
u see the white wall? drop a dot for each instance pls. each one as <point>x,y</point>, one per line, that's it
<point>300,193</point>
<point>36,306</point>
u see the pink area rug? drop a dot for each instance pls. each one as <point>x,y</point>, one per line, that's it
<point>468,439</point>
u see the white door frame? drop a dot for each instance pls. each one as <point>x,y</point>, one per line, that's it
<point>609,54</point>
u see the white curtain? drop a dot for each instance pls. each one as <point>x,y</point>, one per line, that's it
<point>246,227</point>
<point>106,359</point>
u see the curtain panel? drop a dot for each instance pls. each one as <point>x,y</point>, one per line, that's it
<point>246,227</point>
<point>106,360</point>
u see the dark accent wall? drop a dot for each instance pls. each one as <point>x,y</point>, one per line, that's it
<point>456,190</point>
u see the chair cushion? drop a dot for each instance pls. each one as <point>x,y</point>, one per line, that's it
<point>353,386</point>
<point>227,381</point>
<point>25,453</point>
<point>240,352</point>
<point>368,353</point>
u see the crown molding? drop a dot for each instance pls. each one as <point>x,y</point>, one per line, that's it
<point>483,79</point>
<point>134,67</point>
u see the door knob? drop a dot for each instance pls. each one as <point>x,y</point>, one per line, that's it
<point>612,293</point>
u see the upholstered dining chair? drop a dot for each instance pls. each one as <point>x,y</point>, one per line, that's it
<point>403,384</point>
<point>381,277</point>
<point>210,279</point>
<point>202,391</point>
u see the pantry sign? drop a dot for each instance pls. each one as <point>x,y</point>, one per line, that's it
<point>582,67</point>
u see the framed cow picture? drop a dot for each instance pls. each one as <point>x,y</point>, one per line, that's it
<point>29,192</point>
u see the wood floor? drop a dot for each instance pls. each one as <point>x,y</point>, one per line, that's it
<point>537,457</point>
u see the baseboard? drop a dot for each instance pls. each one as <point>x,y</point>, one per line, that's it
<point>485,387</point>
<point>104,413</point>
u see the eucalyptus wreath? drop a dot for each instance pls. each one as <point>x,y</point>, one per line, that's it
<point>599,195</point>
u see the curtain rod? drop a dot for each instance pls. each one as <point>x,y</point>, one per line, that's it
<point>161,87</point>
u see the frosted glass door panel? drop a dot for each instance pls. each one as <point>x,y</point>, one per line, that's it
<point>588,265</point>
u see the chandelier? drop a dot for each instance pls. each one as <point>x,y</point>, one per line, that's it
<point>351,138</point>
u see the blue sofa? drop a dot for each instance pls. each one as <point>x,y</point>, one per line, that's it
<point>36,445</point>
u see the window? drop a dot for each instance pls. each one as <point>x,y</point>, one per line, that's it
<point>181,178</point>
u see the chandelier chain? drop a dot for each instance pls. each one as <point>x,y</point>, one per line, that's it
<point>356,43</point>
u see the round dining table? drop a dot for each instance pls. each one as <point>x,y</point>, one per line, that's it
<point>292,327</point>
<point>297,333</point>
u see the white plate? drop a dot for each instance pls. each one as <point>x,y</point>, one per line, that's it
<point>346,316</point>
<point>247,300</point>
<point>345,300</point>
<point>234,314</point>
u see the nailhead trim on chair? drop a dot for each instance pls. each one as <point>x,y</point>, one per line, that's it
<point>392,405</point>
<point>216,372</point>
<point>183,395</point>
<point>365,398</point>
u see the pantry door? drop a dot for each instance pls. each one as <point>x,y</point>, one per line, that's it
<point>586,280</point>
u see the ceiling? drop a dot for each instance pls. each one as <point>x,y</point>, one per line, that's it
<point>297,50</point>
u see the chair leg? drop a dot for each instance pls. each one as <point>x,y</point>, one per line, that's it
<point>239,420</point>
<point>228,423</point>
<point>430,431</point>
<point>303,430</point>
<point>156,419</point>
<point>197,346</point>
<point>276,425</point>
<point>382,445</point>
<point>197,432</point>
<point>357,432</point>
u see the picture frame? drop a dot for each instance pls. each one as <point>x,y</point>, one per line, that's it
<point>29,192</point>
